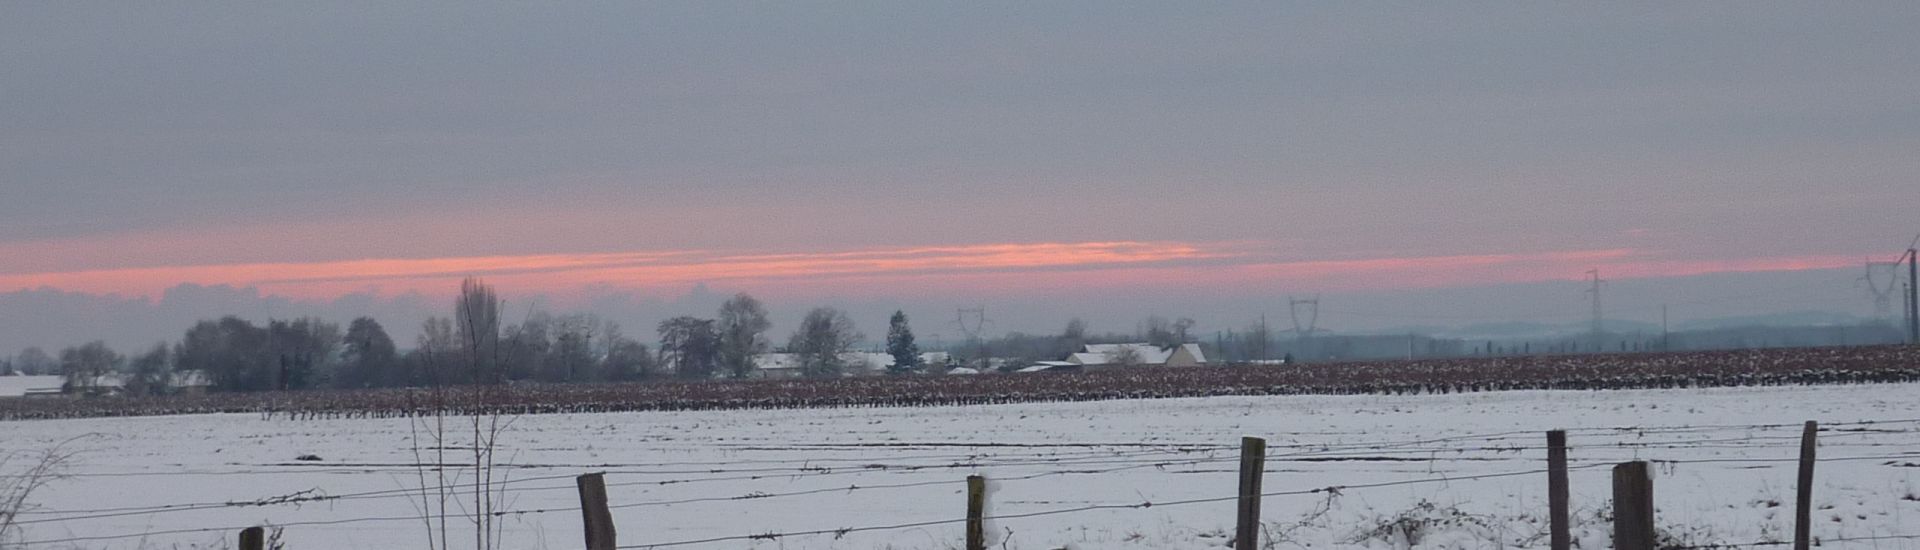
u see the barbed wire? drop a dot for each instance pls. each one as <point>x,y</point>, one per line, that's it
<point>979,460</point>
<point>1321,453</point>
<point>1334,489</point>
<point>1817,541</point>
<point>1182,447</point>
<point>309,496</point>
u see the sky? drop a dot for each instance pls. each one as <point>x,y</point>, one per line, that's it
<point>1422,163</point>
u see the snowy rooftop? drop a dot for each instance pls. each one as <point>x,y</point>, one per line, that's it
<point>1147,354</point>
<point>16,386</point>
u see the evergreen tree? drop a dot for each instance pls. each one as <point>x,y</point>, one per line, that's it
<point>369,357</point>
<point>906,354</point>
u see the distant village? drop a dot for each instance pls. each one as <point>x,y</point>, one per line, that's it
<point>474,347</point>
<point>771,365</point>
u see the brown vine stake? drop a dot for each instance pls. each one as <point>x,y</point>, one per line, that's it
<point>1253,468</point>
<point>253,538</point>
<point>593,510</point>
<point>976,513</point>
<point>1632,506</point>
<point>1803,510</point>
<point>1557,490</point>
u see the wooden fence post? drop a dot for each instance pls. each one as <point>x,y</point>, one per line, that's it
<point>1253,468</point>
<point>1562,537</point>
<point>253,538</point>
<point>593,509</point>
<point>976,513</point>
<point>1803,512</point>
<point>1632,506</point>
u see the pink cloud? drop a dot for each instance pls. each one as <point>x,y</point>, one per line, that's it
<point>994,268</point>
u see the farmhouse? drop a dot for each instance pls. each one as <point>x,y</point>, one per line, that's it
<point>858,363</point>
<point>1053,366</point>
<point>113,383</point>
<point>30,385</point>
<point>1139,354</point>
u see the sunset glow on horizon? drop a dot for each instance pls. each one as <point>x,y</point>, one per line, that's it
<point>162,164</point>
<point>1001,268</point>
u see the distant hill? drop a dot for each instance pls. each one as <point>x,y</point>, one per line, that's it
<point>1530,330</point>
<point>1788,319</point>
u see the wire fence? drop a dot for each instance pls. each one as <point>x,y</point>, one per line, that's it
<point>1507,446</point>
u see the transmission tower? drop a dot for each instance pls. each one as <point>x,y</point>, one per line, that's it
<point>1303,332</point>
<point>1312,305</point>
<point>1882,278</point>
<point>971,321</point>
<point>1599,321</point>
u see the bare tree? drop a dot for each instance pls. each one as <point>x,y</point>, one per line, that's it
<point>303,349</point>
<point>476,316</point>
<point>150,373</point>
<point>1126,356</point>
<point>1073,339</point>
<point>628,360</point>
<point>477,348</point>
<point>574,357</point>
<point>530,346</point>
<point>689,347</point>
<point>37,470</point>
<point>84,365</point>
<point>742,327</point>
<point>1259,337</point>
<point>36,361</point>
<point>1159,332</point>
<point>825,334</point>
<point>436,346</point>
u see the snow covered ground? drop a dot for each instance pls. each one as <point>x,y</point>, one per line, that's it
<point>685,476</point>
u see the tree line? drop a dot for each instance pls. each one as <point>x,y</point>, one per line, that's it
<point>473,346</point>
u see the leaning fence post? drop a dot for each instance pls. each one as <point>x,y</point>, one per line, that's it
<point>1562,538</point>
<point>1253,467</point>
<point>1632,506</point>
<point>1803,512</point>
<point>976,513</point>
<point>253,538</point>
<point>593,509</point>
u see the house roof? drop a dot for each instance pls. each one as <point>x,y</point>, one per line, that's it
<point>1147,354</point>
<point>789,361</point>
<point>1194,349</point>
<point>191,378</point>
<point>16,386</point>
<point>776,361</point>
<point>1085,358</point>
<point>871,359</point>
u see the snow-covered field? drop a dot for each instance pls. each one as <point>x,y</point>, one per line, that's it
<point>678,476</point>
